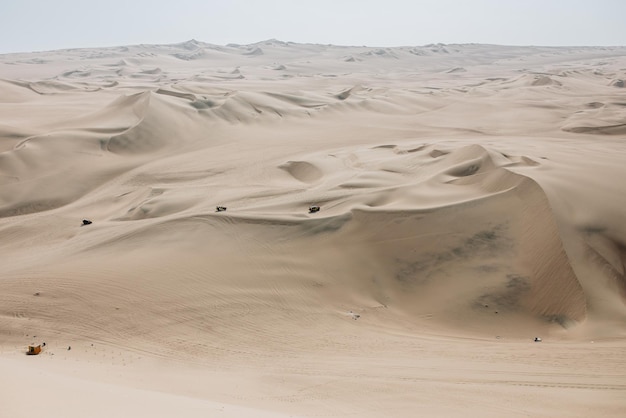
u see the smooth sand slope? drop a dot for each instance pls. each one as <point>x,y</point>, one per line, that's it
<point>472,198</point>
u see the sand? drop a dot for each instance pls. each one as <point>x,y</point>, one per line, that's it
<point>471,199</point>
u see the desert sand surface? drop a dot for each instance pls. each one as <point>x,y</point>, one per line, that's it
<point>472,198</point>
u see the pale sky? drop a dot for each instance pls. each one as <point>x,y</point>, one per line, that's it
<point>36,25</point>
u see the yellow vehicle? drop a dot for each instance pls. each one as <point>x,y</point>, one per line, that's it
<point>34,350</point>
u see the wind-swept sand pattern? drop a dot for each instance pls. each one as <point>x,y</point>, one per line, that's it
<point>471,199</point>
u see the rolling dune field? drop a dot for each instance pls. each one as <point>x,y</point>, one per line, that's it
<point>472,197</point>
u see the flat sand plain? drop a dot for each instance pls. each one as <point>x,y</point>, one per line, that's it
<point>472,198</point>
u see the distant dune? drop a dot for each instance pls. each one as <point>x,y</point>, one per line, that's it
<point>471,199</point>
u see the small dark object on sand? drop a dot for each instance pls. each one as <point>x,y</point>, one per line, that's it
<point>69,348</point>
<point>86,222</point>
<point>220,208</point>
<point>537,340</point>
<point>313,209</point>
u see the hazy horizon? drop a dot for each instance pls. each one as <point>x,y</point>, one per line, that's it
<point>35,25</point>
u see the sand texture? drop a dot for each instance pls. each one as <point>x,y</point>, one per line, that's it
<point>472,198</point>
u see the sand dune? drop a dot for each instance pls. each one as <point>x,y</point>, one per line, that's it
<point>471,199</point>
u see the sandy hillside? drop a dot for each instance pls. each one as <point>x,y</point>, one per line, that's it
<point>471,199</point>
